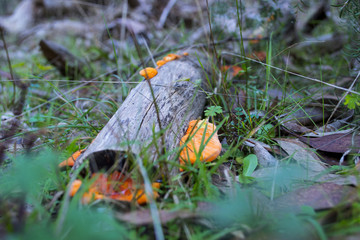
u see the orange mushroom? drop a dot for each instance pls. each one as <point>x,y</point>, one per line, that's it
<point>141,197</point>
<point>171,57</point>
<point>201,136</point>
<point>168,58</point>
<point>112,186</point>
<point>148,72</point>
<point>91,195</point>
<point>160,63</point>
<point>75,186</point>
<point>71,160</point>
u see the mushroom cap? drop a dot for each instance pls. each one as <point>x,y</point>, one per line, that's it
<point>160,63</point>
<point>196,132</point>
<point>71,160</point>
<point>75,186</point>
<point>171,57</point>
<point>196,124</point>
<point>113,186</point>
<point>148,72</point>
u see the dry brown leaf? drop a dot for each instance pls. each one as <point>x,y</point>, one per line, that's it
<point>295,127</point>
<point>301,153</point>
<point>335,143</point>
<point>320,196</point>
<point>302,175</point>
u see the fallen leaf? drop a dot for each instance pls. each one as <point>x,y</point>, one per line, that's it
<point>265,159</point>
<point>335,143</point>
<point>300,175</point>
<point>321,133</point>
<point>335,125</point>
<point>295,127</point>
<point>319,196</point>
<point>301,153</point>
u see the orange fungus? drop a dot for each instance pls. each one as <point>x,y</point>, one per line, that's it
<point>171,57</point>
<point>160,63</point>
<point>113,186</point>
<point>75,186</point>
<point>201,141</point>
<point>148,72</point>
<point>71,160</point>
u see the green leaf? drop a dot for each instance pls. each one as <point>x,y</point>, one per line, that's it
<point>352,100</point>
<point>266,131</point>
<point>250,163</point>
<point>212,111</point>
<point>246,179</point>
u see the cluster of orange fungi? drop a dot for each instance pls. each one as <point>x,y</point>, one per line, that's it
<point>71,160</point>
<point>108,186</point>
<point>112,186</point>
<point>150,72</point>
<point>201,141</point>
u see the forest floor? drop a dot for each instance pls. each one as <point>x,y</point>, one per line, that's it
<point>281,89</point>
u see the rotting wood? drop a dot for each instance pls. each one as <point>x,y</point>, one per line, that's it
<point>179,91</point>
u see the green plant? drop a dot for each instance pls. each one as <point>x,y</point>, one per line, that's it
<point>249,163</point>
<point>352,101</point>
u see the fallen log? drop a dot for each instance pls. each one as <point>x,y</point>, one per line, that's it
<point>178,89</point>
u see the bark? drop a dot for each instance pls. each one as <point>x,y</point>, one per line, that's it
<point>179,92</point>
